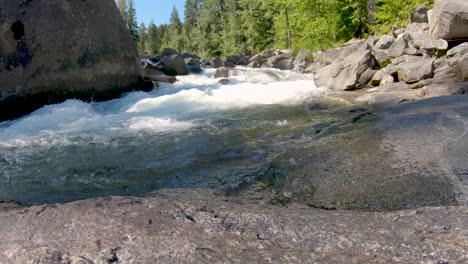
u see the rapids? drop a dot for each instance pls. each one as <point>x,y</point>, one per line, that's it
<point>196,133</point>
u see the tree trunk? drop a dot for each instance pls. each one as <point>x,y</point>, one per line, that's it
<point>371,8</point>
<point>288,31</point>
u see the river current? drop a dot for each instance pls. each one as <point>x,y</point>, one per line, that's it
<point>196,133</point>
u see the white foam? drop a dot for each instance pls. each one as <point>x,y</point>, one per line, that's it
<point>167,109</point>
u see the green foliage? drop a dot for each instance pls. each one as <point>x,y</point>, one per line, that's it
<point>226,27</point>
<point>394,14</point>
<point>127,10</point>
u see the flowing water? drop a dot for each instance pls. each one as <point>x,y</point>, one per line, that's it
<point>197,133</point>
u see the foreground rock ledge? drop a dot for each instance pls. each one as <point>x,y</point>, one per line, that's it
<point>203,226</point>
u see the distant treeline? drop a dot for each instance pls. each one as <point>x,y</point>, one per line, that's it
<point>223,27</point>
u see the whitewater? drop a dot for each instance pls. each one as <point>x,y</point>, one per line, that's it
<point>198,132</point>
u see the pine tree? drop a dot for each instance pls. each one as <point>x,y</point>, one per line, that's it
<point>123,8</point>
<point>153,42</point>
<point>143,37</point>
<point>131,20</point>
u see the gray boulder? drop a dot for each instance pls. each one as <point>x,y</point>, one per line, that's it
<point>414,71</point>
<point>431,44</point>
<point>462,69</point>
<point>450,20</point>
<point>235,59</point>
<point>399,48</point>
<point>366,76</point>
<point>262,58</point>
<point>405,58</point>
<point>173,65</point>
<point>224,72</point>
<point>169,52</point>
<point>216,62</point>
<point>459,50</point>
<point>193,65</point>
<point>253,64</point>
<point>390,70</point>
<point>345,74</point>
<point>301,62</point>
<point>330,56</point>
<point>55,50</point>
<point>228,64</point>
<point>385,42</point>
<point>380,57</point>
<point>275,59</point>
<point>419,14</point>
<point>284,64</point>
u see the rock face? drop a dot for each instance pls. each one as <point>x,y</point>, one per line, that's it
<point>54,50</point>
<point>345,74</point>
<point>384,42</point>
<point>174,65</point>
<point>203,226</point>
<point>414,71</point>
<point>450,19</point>
<point>419,14</point>
<point>462,69</point>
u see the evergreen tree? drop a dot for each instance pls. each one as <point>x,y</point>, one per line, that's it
<point>131,20</point>
<point>153,41</point>
<point>123,8</point>
<point>143,37</point>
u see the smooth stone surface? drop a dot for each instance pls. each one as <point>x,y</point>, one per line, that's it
<point>414,71</point>
<point>203,226</point>
<point>450,20</point>
<point>384,42</point>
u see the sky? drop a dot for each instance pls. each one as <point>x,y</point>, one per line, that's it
<point>158,10</point>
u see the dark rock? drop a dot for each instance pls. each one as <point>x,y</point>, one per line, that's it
<point>173,65</point>
<point>168,52</point>
<point>253,64</point>
<point>236,60</point>
<point>216,62</point>
<point>90,55</point>
<point>193,65</point>
<point>189,56</point>
<point>449,20</point>
<point>385,42</point>
<point>228,64</point>
<point>419,14</point>
<point>275,59</point>
<point>414,71</point>
<point>261,58</point>
<point>284,64</point>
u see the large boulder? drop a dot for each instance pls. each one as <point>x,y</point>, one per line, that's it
<point>462,69</point>
<point>345,74</point>
<point>216,62</point>
<point>399,48</point>
<point>225,72</point>
<point>414,71</point>
<point>449,19</point>
<point>419,14</point>
<point>193,65</point>
<point>459,50</point>
<point>173,65</point>
<point>301,62</point>
<point>54,50</point>
<point>284,64</point>
<point>385,42</point>
<point>169,52</point>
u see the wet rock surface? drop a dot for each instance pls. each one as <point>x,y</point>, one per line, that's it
<point>200,226</point>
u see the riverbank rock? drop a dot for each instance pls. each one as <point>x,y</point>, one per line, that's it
<point>55,50</point>
<point>225,72</point>
<point>193,65</point>
<point>173,65</point>
<point>345,74</point>
<point>216,62</point>
<point>205,226</point>
<point>419,14</point>
<point>450,19</point>
<point>414,71</point>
